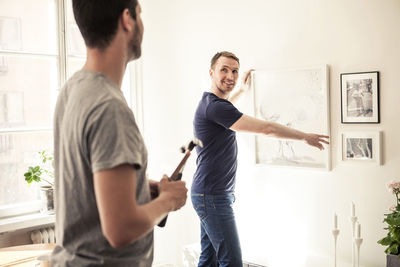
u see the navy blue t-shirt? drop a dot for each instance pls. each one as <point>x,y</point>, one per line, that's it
<point>217,160</point>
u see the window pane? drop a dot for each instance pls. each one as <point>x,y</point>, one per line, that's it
<point>28,26</point>
<point>28,88</point>
<point>17,152</point>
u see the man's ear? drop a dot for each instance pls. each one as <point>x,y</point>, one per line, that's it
<point>127,20</point>
<point>211,72</point>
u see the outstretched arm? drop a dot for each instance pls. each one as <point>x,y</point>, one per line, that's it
<point>245,86</point>
<point>254,125</point>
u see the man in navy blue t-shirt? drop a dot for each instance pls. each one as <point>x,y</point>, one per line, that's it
<point>215,123</point>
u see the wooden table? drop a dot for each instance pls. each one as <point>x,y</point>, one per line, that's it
<point>24,256</point>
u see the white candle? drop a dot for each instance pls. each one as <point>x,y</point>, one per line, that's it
<point>335,221</point>
<point>358,232</point>
<point>353,210</point>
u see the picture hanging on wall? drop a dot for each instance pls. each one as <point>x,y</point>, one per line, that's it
<point>362,146</point>
<point>296,98</point>
<point>360,97</point>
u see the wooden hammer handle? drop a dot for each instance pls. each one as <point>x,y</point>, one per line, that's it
<point>179,168</point>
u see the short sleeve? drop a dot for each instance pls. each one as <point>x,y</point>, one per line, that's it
<point>113,137</point>
<point>223,113</point>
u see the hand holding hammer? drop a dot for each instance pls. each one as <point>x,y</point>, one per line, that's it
<point>177,174</point>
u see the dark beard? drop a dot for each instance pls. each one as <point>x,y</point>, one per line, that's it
<point>135,45</point>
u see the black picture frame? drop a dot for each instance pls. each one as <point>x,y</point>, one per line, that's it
<point>360,97</point>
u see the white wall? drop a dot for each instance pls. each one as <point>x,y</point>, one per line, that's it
<point>291,210</point>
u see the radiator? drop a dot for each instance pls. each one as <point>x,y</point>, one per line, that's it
<point>43,236</point>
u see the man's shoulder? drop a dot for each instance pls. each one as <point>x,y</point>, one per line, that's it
<point>82,100</point>
<point>210,99</point>
<point>92,89</point>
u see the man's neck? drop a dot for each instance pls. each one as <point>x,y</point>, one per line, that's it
<point>110,61</point>
<point>221,94</point>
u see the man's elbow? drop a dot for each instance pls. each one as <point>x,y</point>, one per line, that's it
<point>120,237</point>
<point>117,239</point>
<point>269,129</point>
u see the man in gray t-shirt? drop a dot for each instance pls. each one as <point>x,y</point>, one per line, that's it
<point>105,212</point>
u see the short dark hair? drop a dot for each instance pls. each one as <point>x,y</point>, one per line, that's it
<point>98,19</point>
<point>223,54</point>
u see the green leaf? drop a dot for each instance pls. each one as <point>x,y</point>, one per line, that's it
<point>41,172</point>
<point>395,234</point>
<point>385,241</point>
<point>36,169</point>
<point>393,249</point>
<point>28,179</point>
<point>393,219</point>
<point>36,178</point>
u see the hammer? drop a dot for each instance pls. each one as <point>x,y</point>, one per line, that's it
<point>177,174</point>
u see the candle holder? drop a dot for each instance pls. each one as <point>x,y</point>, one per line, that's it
<point>353,220</point>
<point>358,241</point>
<point>335,233</point>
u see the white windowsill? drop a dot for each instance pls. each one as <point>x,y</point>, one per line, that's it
<point>25,221</point>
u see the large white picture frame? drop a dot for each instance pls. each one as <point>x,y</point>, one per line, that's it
<point>297,98</point>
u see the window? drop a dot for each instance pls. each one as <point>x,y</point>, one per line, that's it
<point>36,58</point>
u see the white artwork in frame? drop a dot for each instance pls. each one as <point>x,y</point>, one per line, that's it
<point>297,98</point>
<point>362,146</point>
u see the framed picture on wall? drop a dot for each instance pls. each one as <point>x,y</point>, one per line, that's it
<point>297,98</point>
<point>362,146</point>
<point>360,97</point>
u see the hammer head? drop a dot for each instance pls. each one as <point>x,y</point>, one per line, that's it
<point>194,142</point>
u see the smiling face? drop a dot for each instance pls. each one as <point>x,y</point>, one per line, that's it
<point>224,75</point>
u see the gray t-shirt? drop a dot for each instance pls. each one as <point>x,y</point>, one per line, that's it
<point>94,130</point>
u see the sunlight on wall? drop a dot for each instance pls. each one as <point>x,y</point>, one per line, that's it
<point>272,234</point>
<point>270,225</point>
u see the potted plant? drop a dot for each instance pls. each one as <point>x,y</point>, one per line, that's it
<point>44,172</point>
<point>392,239</point>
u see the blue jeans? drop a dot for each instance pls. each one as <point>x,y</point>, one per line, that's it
<point>220,244</point>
